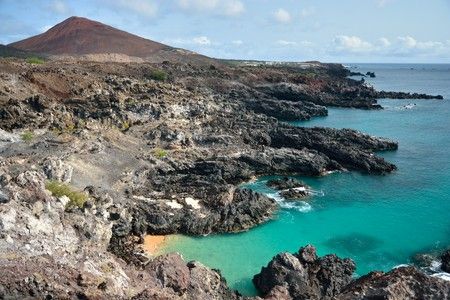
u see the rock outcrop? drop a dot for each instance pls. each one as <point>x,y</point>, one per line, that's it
<point>289,188</point>
<point>303,275</point>
<point>445,261</point>
<point>400,283</point>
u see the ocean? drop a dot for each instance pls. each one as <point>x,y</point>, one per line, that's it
<point>378,221</point>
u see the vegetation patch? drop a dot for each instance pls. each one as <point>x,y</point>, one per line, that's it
<point>35,60</point>
<point>158,75</point>
<point>125,125</point>
<point>159,153</point>
<point>27,136</point>
<point>59,189</point>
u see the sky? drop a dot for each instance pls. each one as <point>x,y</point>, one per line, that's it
<point>399,31</point>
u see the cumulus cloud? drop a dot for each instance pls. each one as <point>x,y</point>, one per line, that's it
<point>403,46</point>
<point>221,7</point>
<point>408,45</point>
<point>146,8</point>
<point>282,16</point>
<point>408,41</point>
<point>351,44</point>
<point>384,42</point>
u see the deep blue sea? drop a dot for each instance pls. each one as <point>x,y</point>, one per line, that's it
<point>379,221</point>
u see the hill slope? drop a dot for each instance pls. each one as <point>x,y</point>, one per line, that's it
<point>80,36</point>
<point>6,51</point>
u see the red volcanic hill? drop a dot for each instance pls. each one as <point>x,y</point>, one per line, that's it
<point>80,36</point>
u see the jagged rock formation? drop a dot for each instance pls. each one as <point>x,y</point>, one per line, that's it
<point>305,276</point>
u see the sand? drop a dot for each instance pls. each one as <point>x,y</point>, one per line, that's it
<point>153,243</point>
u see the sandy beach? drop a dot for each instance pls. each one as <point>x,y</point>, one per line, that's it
<point>152,243</point>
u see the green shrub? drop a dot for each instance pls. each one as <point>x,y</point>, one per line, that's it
<point>158,75</point>
<point>27,136</point>
<point>59,189</point>
<point>159,153</point>
<point>35,60</point>
<point>125,125</point>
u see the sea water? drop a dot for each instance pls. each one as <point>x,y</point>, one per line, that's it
<point>378,221</point>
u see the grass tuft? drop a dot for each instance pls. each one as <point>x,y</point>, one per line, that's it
<point>158,75</point>
<point>27,136</point>
<point>59,189</point>
<point>159,153</point>
<point>35,60</point>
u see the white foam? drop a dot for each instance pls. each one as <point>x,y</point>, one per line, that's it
<point>400,266</point>
<point>442,275</point>
<point>300,206</point>
<point>435,266</point>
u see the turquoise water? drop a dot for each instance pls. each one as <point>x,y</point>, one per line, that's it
<point>379,221</point>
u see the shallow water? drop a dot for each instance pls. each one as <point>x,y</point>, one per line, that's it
<point>379,221</point>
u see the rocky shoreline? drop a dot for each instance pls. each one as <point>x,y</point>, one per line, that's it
<point>96,155</point>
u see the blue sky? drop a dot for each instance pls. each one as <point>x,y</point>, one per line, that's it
<point>289,30</point>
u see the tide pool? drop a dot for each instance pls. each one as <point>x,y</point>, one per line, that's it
<point>379,221</point>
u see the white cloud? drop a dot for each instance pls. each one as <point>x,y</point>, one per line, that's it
<point>384,42</point>
<point>351,44</point>
<point>408,41</point>
<point>286,43</point>
<point>404,46</point>
<point>282,16</point>
<point>306,12</point>
<point>201,40</point>
<point>59,7</point>
<point>221,7</point>
<point>237,42</point>
<point>145,8</point>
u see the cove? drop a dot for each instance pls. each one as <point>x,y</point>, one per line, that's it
<point>379,221</point>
